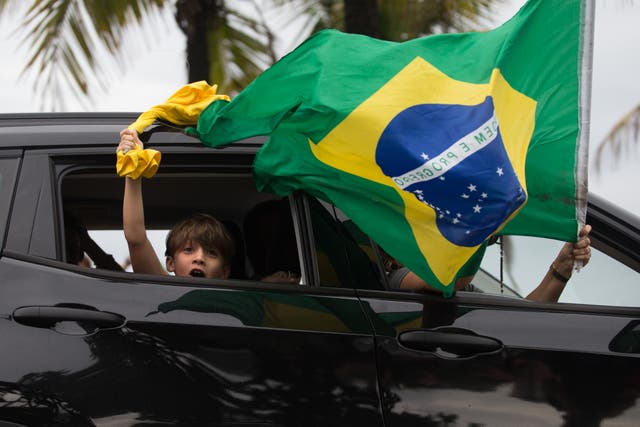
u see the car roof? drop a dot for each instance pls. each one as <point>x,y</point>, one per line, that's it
<point>41,130</point>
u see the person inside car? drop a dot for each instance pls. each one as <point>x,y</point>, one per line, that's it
<point>271,242</point>
<point>197,246</point>
<point>81,249</point>
<point>549,289</point>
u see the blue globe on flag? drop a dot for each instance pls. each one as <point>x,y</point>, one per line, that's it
<point>452,159</point>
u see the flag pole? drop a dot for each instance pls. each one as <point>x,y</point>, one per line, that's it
<point>587,24</point>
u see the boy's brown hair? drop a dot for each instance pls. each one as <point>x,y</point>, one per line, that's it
<point>210,233</point>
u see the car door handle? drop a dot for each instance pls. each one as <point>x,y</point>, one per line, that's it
<point>48,316</point>
<point>449,341</point>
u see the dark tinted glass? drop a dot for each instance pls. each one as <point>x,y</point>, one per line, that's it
<point>346,256</point>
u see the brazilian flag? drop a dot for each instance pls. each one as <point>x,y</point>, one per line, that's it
<point>433,145</point>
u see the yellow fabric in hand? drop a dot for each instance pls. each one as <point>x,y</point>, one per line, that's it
<point>137,162</point>
<point>183,108</point>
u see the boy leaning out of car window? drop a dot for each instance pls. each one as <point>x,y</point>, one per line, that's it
<point>198,246</point>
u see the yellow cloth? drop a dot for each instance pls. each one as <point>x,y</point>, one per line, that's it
<point>138,162</point>
<point>182,108</point>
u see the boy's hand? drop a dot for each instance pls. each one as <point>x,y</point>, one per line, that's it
<point>129,140</point>
<point>132,160</point>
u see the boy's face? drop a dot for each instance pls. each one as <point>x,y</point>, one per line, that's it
<point>192,260</point>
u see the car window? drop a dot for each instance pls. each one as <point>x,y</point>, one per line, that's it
<point>8,169</point>
<point>604,281</point>
<point>346,257</point>
<point>113,242</point>
<point>260,223</point>
<point>342,248</point>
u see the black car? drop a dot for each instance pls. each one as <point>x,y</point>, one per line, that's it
<point>101,346</point>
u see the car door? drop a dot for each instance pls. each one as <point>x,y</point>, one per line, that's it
<point>483,359</point>
<point>489,360</point>
<point>95,347</point>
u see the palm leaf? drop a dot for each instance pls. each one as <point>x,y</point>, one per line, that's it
<point>66,39</point>
<point>238,52</point>
<point>408,19</point>
<point>401,19</point>
<point>620,139</point>
<point>6,6</point>
<point>308,16</point>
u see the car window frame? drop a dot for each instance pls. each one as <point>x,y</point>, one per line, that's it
<point>383,281</point>
<point>10,162</point>
<point>32,227</point>
<point>52,164</point>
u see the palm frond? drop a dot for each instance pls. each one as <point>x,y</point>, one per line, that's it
<point>67,39</point>
<point>238,52</point>
<point>307,16</point>
<point>621,139</point>
<point>263,28</point>
<point>49,48</point>
<point>111,19</point>
<point>8,7</point>
<point>407,19</point>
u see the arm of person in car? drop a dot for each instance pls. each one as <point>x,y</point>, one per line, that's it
<point>554,282</point>
<point>282,277</point>
<point>99,257</point>
<point>143,256</point>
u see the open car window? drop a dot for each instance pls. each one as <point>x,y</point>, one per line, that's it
<point>260,223</point>
<point>346,257</point>
<point>604,281</point>
<point>610,279</point>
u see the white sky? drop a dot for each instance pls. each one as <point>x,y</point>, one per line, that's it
<point>155,73</point>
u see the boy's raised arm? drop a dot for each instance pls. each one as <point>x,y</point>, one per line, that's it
<point>143,256</point>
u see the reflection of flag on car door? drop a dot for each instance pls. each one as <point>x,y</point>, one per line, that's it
<point>431,145</point>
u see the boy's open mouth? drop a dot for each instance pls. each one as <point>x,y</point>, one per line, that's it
<point>196,272</point>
